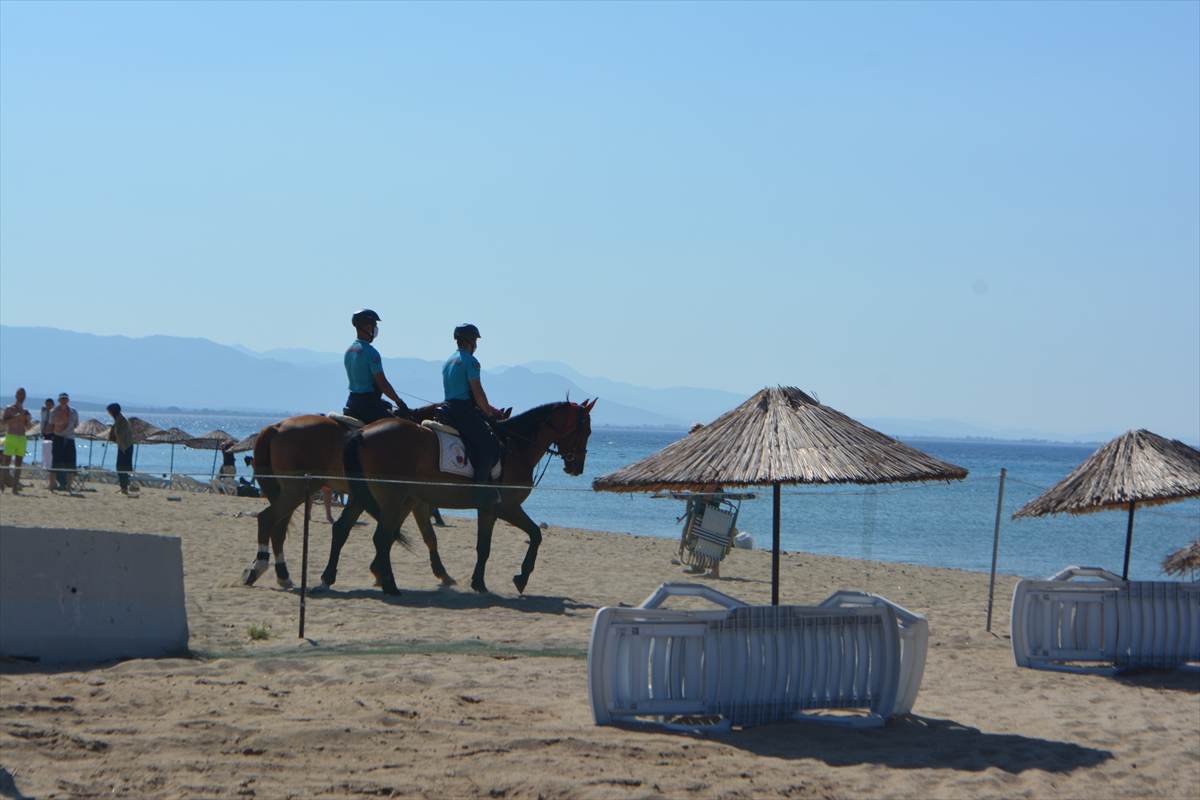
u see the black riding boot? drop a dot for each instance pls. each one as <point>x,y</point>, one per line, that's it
<point>484,494</point>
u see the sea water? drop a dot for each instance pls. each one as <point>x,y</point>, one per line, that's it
<point>937,524</point>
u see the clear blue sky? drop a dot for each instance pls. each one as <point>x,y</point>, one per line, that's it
<point>982,212</point>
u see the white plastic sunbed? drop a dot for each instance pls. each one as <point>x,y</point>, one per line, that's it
<point>1105,625</point>
<point>856,660</point>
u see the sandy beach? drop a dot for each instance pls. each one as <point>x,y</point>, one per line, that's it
<point>445,693</point>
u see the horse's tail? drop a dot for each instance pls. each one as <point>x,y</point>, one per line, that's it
<point>262,463</point>
<point>359,490</point>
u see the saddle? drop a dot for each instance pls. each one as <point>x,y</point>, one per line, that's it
<point>452,453</point>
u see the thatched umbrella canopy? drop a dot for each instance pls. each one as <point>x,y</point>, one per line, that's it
<point>93,430</point>
<point>778,436</point>
<point>246,444</point>
<point>142,430</point>
<point>171,436</point>
<point>1138,468</point>
<point>214,440</point>
<point>1185,559</point>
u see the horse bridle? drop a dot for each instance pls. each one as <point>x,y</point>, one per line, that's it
<point>574,420</point>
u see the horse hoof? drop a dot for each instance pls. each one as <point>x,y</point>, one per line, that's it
<point>320,588</point>
<point>479,586</point>
<point>390,588</point>
<point>520,581</point>
<point>448,581</point>
<point>249,577</point>
<point>286,583</point>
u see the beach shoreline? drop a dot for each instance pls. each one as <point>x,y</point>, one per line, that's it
<point>445,693</point>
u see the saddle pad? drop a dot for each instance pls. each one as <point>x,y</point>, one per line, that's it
<point>453,457</point>
<point>433,424</point>
<point>342,418</point>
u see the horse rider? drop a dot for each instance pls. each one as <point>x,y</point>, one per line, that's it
<point>468,410</point>
<point>364,371</point>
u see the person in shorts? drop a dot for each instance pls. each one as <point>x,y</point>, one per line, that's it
<point>17,422</point>
<point>66,419</point>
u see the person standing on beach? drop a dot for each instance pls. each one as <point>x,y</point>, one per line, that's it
<point>66,419</point>
<point>121,433</point>
<point>17,422</point>
<point>364,372</point>
<point>468,409</point>
<point>48,441</point>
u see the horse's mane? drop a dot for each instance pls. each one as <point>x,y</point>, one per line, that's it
<point>526,424</point>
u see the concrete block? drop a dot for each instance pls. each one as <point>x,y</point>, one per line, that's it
<point>71,595</point>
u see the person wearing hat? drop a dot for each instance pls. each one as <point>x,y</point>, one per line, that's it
<point>469,411</point>
<point>66,419</point>
<point>364,372</point>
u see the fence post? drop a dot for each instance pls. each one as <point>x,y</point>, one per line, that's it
<point>304,556</point>
<point>995,548</point>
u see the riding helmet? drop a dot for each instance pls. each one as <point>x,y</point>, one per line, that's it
<point>364,317</point>
<point>466,330</point>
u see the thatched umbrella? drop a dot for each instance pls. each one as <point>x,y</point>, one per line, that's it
<point>1136,468</point>
<point>246,444</point>
<point>1185,559</point>
<point>142,431</point>
<point>779,436</point>
<point>213,440</point>
<point>171,436</point>
<point>95,431</point>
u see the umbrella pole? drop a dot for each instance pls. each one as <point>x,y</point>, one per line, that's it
<point>171,469</point>
<point>213,474</point>
<point>775,545</point>
<point>995,549</point>
<point>1128,542</point>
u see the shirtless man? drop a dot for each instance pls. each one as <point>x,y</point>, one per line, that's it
<point>17,421</point>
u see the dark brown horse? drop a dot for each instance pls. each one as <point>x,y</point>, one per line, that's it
<point>406,455</point>
<point>284,453</point>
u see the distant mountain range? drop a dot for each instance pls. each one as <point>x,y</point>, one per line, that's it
<point>159,372</point>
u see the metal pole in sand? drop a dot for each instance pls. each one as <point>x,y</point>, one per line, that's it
<point>995,548</point>
<point>775,546</point>
<point>304,556</point>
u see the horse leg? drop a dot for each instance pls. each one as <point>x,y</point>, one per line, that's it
<point>483,548</point>
<point>430,537</point>
<point>390,517</point>
<point>293,495</point>
<point>272,526</point>
<point>341,532</point>
<point>520,519</point>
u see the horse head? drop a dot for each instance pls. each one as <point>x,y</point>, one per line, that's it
<point>572,435</point>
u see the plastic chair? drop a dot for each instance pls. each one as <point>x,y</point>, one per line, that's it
<point>743,665</point>
<point>1062,625</point>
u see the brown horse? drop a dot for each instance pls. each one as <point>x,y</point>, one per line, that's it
<point>284,453</point>
<point>407,456</point>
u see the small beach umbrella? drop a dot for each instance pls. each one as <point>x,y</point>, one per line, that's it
<point>93,430</point>
<point>245,445</point>
<point>171,436</point>
<point>142,431</point>
<point>779,436</point>
<point>1185,559</point>
<point>1138,468</point>
<point>213,440</point>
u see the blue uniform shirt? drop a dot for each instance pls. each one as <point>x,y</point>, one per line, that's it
<point>457,373</point>
<point>362,362</point>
